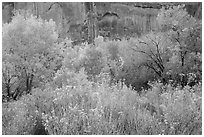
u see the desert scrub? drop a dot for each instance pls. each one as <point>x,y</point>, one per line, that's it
<point>88,108</point>
<point>18,117</point>
<point>182,111</point>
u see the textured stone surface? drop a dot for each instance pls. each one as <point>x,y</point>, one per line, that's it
<point>134,18</point>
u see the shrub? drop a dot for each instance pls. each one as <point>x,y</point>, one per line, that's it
<point>117,58</point>
<point>84,107</point>
<point>18,117</point>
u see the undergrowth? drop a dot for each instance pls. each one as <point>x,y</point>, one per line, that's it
<point>98,108</point>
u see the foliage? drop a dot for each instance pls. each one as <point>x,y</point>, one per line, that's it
<point>18,117</point>
<point>94,59</point>
<point>29,53</point>
<point>185,34</point>
<point>115,58</point>
<point>138,60</point>
<point>147,85</point>
<point>154,47</point>
<point>100,109</point>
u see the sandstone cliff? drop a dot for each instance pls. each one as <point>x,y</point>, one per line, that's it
<point>128,19</point>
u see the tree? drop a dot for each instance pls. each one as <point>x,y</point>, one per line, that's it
<point>154,47</point>
<point>29,46</point>
<point>9,79</point>
<point>185,34</point>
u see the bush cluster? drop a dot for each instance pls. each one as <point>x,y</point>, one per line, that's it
<point>103,109</point>
<point>147,85</point>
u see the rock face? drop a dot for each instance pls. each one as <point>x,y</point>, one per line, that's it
<point>135,21</point>
<point>7,8</point>
<point>114,18</point>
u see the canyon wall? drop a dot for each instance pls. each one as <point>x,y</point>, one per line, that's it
<point>128,19</point>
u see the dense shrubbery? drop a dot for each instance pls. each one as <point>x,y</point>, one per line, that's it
<point>100,109</point>
<point>105,88</point>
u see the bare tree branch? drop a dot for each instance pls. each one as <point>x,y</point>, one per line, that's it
<point>154,69</point>
<point>161,67</point>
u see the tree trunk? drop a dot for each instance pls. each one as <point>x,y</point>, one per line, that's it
<point>36,9</point>
<point>29,81</point>
<point>8,88</point>
<point>92,24</point>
